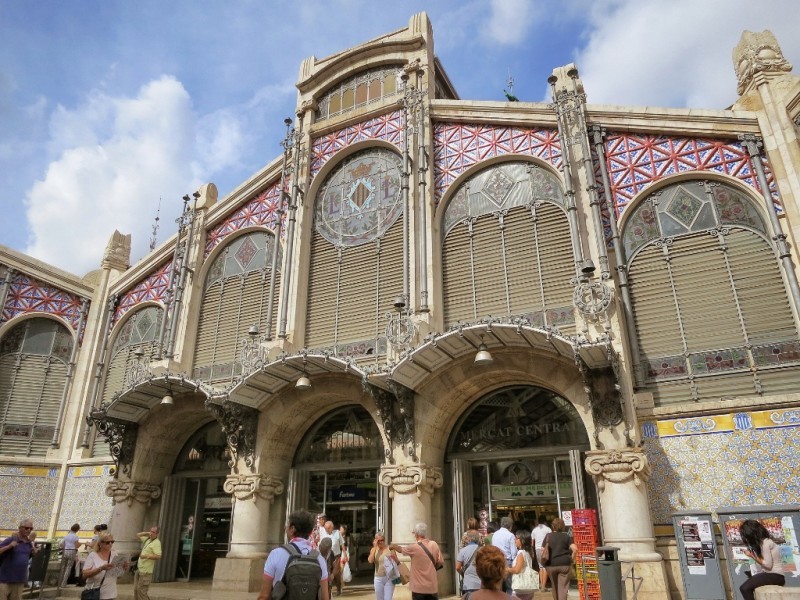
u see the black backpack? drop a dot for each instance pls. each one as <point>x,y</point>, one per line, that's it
<point>301,577</point>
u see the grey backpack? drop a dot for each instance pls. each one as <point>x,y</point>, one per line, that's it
<point>301,577</point>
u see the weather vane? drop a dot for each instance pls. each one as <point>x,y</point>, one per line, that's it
<point>154,236</point>
<point>510,91</point>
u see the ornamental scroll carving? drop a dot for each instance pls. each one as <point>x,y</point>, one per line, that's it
<point>757,52</point>
<point>618,466</point>
<point>120,436</point>
<point>252,487</point>
<point>239,424</point>
<point>130,491</point>
<point>395,410</point>
<point>411,479</point>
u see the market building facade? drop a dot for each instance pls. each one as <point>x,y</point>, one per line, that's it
<point>429,309</point>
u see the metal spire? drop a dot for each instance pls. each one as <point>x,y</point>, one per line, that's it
<point>154,236</point>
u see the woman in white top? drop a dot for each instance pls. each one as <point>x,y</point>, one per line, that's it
<point>99,568</point>
<point>765,553</point>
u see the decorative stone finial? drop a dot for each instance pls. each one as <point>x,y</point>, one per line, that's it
<point>757,53</point>
<point>118,252</point>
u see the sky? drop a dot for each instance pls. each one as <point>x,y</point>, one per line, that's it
<point>110,108</point>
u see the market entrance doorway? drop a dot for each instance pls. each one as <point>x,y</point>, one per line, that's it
<point>336,473</point>
<point>196,511</point>
<point>517,452</point>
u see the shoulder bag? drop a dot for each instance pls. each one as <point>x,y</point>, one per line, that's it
<point>405,575</point>
<point>546,551</point>
<point>527,579</point>
<point>438,566</point>
<point>93,593</point>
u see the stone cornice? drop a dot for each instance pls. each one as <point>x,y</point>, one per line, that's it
<point>46,273</point>
<point>618,466</point>
<point>524,114</point>
<point>673,121</point>
<point>718,407</point>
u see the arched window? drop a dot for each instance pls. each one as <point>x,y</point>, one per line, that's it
<point>347,434</point>
<point>507,250</point>
<point>711,312</point>
<point>138,333</point>
<point>34,356</point>
<point>235,298</point>
<point>368,87</point>
<point>356,255</point>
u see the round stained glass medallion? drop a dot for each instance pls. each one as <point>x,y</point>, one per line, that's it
<point>360,199</point>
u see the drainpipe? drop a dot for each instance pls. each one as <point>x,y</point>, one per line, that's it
<point>111,306</point>
<point>290,229</point>
<point>186,219</point>
<point>422,171</point>
<point>278,230</point>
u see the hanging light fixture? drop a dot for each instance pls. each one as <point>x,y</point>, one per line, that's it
<point>168,400</point>
<point>303,383</point>
<point>483,357</point>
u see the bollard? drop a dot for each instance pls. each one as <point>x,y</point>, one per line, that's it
<point>609,573</point>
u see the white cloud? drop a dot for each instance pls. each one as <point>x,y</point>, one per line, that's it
<point>118,156</point>
<point>509,21</point>
<point>674,54</point>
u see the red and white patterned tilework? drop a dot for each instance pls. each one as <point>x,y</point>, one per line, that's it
<point>388,127</point>
<point>457,146</point>
<point>636,161</point>
<point>261,210</point>
<point>28,295</point>
<point>154,287</point>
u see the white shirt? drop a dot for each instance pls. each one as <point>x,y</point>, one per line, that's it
<point>336,542</point>
<point>539,533</point>
<point>507,542</point>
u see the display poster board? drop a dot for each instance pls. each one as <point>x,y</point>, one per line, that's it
<point>783,524</point>
<point>697,551</point>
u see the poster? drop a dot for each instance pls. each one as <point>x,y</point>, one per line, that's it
<point>782,532</point>
<point>698,544</point>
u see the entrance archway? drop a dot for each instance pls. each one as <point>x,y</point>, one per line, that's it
<point>196,515</point>
<point>517,451</point>
<point>335,472</point>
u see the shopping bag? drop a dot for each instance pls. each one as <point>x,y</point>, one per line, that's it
<point>347,575</point>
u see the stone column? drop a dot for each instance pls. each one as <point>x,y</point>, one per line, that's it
<point>621,476</point>
<point>410,489</point>
<point>130,500</point>
<point>252,496</point>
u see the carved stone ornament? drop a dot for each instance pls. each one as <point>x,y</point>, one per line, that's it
<point>618,466</point>
<point>757,52</point>
<point>251,487</point>
<point>239,424</point>
<point>592,298</point>
<point>411,479</point>
<point>395,410</point>
<point>118,252</point>
<point>128,491</point>
<point>120,436</point>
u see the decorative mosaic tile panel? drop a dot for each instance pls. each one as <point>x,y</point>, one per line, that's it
<point>27,493</point>
<point>154,287</point>
<point>28,295</point>
<point>737,459</point>
<point>388,127</point>
<point>636,161</point>
<point>457,146</point>
<point>85,499</point>
<point>261,210</point>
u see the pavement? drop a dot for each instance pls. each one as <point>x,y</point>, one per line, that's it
<point>201,590</point>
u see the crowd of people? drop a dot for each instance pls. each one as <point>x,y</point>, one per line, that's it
<point>98,571</point>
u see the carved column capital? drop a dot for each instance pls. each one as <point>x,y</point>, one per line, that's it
<point>411,479</point>
<point>618,466</point>
<point>252,487</point>
<point>128,491</point>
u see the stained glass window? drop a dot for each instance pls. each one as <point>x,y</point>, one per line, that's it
<point>360,199</point>
<point>365,88</point>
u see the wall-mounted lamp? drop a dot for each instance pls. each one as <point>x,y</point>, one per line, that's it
<point>168,400</point>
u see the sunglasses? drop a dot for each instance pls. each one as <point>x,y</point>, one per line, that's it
<point>26,528</point>
<point>111,542</point>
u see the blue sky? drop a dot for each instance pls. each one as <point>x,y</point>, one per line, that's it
<point>107,105</point>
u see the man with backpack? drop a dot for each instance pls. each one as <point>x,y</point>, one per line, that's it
<point>295,571</point>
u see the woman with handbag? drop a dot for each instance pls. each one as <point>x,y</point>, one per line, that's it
<point>560,553</point>
<point>465,564</point>
<point>384,561</point>
<point>99,571</point>
<point>525,570</point>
